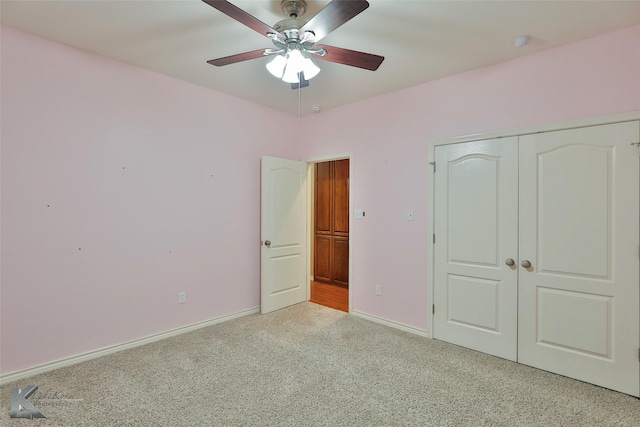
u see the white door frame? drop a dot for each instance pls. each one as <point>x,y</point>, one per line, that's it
<point>310,203</point>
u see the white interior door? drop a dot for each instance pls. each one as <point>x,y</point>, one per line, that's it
<point>579,300</point>
<point>283,233</point>
<point>476,226</point>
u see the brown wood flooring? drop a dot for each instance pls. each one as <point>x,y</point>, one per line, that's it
<point>332,296</point>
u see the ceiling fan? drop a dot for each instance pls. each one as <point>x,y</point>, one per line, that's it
<point>295,39</point>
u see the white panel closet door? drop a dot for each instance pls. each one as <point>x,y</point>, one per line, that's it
<point>476,225</point>
<point>579,300</point>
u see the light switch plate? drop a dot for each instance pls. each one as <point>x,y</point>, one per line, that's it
<point>359,213</point>
<point>410,214</point>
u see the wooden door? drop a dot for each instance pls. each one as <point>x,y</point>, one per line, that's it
<point>283,231</point>
<point>579,298</point>
<point>331,223</point>
<point>476,226</point>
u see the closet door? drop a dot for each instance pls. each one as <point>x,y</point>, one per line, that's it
<point>579,298</point>
<point>476,225</point>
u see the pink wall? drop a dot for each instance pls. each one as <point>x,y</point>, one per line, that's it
<point>389,138</point>
<point>120,188</point>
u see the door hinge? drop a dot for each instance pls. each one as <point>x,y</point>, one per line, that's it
<point>433,309</point>
<point>434,166</point>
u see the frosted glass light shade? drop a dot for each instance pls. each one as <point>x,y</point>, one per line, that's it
<point>290,75</point>
<point>295,61</point>
<point>276,66</point>
<point>310,69</point>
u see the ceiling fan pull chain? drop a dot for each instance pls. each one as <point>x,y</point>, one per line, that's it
<point>299,93</point>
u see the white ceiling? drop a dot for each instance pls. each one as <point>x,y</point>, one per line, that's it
<point>421,40</point>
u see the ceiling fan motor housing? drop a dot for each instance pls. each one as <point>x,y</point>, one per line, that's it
<point>287,25</point>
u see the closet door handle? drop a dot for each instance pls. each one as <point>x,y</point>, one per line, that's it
<point>510,262</point>
<point>526,263</point>
<point>267,243</point>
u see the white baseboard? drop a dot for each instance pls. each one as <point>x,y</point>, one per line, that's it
<point>396,325</point>
<point>61,363</point>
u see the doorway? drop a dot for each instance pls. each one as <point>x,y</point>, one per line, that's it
<point>329,285</point>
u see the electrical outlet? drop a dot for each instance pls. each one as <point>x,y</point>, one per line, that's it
<point>182,297</point>
<point>378,290</point>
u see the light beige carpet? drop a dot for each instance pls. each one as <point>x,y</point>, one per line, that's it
<point>308,365</point>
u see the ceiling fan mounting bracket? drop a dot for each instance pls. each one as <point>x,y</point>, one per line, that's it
<point>294,8</point>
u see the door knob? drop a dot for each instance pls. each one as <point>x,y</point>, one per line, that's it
<point>510,262</point>
<point>267,243</point>
<point>526,263</point>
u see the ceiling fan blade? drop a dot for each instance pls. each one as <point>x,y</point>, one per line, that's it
<point>368,61</point>
<point>232,59</point>
<point>243,17</point>
<point>332,16</point>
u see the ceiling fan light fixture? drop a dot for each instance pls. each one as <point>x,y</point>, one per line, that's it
<point>276,66</point>
<point>291,74</point>
<point>295,60</point>
<point>310,69</point>
<point>290,66</point>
